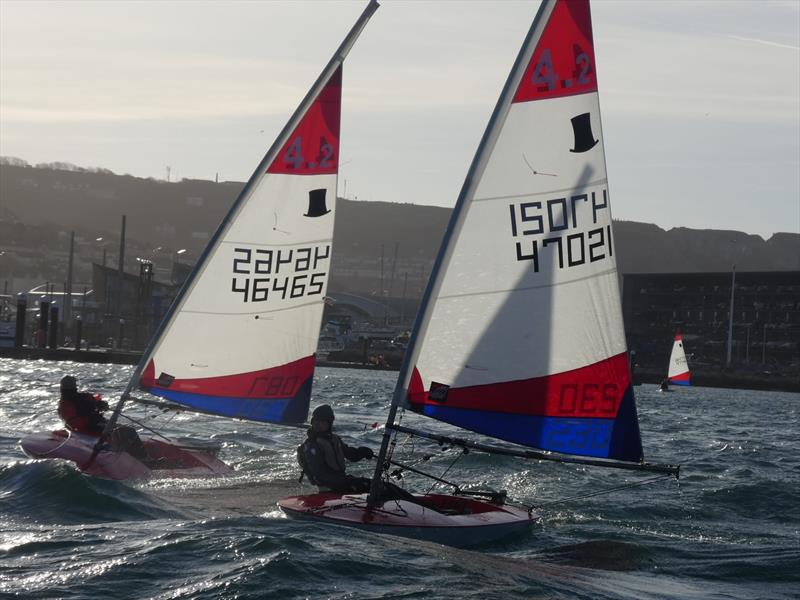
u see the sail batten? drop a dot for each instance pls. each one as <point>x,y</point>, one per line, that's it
<point>516,290</point>
<point>256,312</point>
<point>534,194</point>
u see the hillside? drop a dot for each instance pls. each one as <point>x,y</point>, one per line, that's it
<point>183,214</point>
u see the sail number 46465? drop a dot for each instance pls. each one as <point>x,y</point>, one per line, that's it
<point>263,275</point>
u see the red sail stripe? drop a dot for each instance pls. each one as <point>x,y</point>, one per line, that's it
<point>313,147</point>
<point>594,391</point>
<point>276,382</point>
<point>563,62</point>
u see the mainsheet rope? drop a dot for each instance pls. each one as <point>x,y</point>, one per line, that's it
<point>143,426</point>
<point>69,435</point>
<point>553,502</point>
<point>447,470</point>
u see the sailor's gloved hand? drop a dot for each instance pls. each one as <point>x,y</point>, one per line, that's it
<point>102,405</point>
<point>358,485</point>
<point>366,452</point>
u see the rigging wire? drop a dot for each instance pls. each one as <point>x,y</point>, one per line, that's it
<point>392,444</point>
<point>143,426</point>
<point>605,491</point>
<point>546,504</point>
<point>447,470</point>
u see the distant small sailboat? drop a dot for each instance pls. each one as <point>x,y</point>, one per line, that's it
<point>519,335</point>
<point>678,373</point>
<point>240,338</point>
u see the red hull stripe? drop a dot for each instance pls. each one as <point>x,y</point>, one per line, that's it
<point>313,147</point>
<point>563,62</point>
<point>594,391</point>
<point>283,381</point>
<point>683,377</point>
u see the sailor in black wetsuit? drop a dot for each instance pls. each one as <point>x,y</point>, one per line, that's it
<point>322,456</point>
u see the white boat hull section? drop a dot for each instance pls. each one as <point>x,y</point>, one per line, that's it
<point>171,459</point>
<point>464,522</point>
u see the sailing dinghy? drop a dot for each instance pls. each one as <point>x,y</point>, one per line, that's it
<point>678,366</point>
<point>519,336</point>
<point>240,338</point>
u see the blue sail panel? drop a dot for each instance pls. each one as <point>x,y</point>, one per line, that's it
<point>616,439</point>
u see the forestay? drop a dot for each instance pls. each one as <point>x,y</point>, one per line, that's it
<point>240,339</point>
<point>521,335</point>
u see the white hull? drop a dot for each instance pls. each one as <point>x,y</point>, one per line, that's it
<point>171,458</point>
<point>462,521</point>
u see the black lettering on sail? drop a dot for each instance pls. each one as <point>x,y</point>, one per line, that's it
<point>582,128</point>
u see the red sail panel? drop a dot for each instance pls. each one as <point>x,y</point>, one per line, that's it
<point>276,382</point>
<point>681,378</point>
<point>595,391</point>
<point>563,62</point>
<point>313,147</point>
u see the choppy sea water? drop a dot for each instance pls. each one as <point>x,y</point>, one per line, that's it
<point>729,529</point>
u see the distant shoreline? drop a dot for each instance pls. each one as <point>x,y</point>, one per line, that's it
<point>712,379</point>
<point>124,357</point>
<point>725,380</point>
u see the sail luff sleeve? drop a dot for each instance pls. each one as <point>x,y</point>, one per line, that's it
<point>457,216</point>
<point>422,319</point>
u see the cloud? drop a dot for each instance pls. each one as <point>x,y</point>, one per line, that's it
<point>765,42</point>
<point>684,75</point>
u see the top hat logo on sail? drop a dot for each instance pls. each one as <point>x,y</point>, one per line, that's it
<point>584,138</point>
<point>316,203</point>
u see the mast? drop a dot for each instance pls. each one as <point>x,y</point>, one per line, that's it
<point>68,287</point>
<point>730,320</point>
<point>453,227</point>
<point>391,280</point>
<point>119,282</point>
<point>335,62</point>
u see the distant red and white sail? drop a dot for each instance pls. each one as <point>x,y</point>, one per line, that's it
<point>678,367</point>
<point>241,338</point>
<point>522,336</point>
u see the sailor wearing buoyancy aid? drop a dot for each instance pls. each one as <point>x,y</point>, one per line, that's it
<point>322,456</point>
<point>81,412</point>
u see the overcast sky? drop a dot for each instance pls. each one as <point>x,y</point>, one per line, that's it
<point>700,99</point>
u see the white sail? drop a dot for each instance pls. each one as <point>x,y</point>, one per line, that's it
<point>678,367</point>
<point>240,338</point>
<point>521,335</point>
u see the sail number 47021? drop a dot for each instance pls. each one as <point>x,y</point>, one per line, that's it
<point>561,231</point>
<point>263,275</point>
